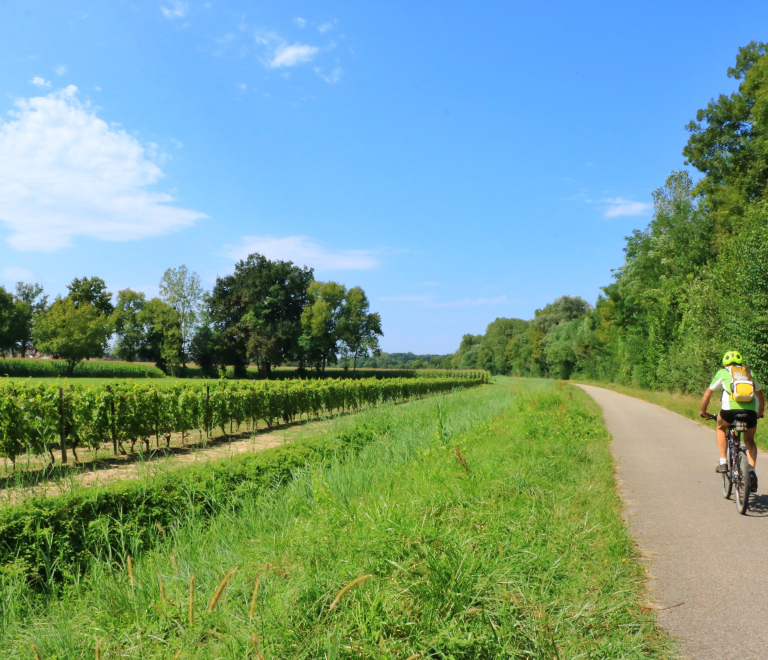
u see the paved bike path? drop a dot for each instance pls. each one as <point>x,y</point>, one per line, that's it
<point>708,566</point>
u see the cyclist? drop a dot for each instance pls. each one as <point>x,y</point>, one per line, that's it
<point>730,407</point>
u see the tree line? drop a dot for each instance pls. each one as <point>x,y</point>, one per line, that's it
<point>694,282</point>
<point>266,313</point>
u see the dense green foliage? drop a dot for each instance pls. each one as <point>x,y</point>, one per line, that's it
<point>32,416</point>
<point>519,554</point>
<point>409,360</point>
<point>694,282</point>
<point>58,369</point>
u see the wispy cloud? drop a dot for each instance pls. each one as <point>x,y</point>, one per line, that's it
<point>285,55</point>
<point>304,252</point>
<point>66,173</point>
<point>300,22</point>
<point>16,274</point>
<point>332,77</point>
<point>618,206</point>
<point>60,70</point>
<point>177,9</point>
<point>40,82</point>
<point>324,27</point>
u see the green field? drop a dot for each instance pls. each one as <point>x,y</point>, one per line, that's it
<point>517,550</point>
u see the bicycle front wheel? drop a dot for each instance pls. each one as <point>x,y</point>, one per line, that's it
<point>742,484</point>
<point>727,483</point>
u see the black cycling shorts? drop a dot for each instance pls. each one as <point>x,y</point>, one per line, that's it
<point>730,417</point>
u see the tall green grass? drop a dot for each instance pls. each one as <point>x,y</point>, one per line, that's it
<point>517,551</point>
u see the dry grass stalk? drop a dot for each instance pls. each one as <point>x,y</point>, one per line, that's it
<point>163,596</point>
<point>220,589</point>
<point>256,647</point>
<point>191,604</point>
<point>344,591</point>
<point>462,460</point>
<point>130,571</point>
<point>98,648</point>
<point>160,529</point>
<point>36,651</point>
<point>175,564</point>
<point>414,656</point>
<point>255,595</point>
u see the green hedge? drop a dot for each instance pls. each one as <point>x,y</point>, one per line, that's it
<point>54,537</point>
<point>26,368</point>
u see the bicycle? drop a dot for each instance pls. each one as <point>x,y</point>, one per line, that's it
<point>737,473</point>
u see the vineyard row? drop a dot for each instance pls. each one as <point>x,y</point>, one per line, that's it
<point>36,418</point>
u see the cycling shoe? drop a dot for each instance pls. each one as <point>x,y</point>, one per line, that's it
<point>752,481</point>
<point>722,468</point>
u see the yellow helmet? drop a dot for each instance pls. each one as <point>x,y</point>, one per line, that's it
<point>732,357</point>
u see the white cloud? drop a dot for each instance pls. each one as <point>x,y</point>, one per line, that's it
<point>619,206</point>
<point>332,77</point>
<point>40,82</point>
<point>242,86</point>
<point>286,55</point>
<point>324,27</point>
<point>177,9</point>
<point>17,274</point>
<point>65,173</point>
<point>303,252</point>
<point>60,70</point>
<point>300,22</point>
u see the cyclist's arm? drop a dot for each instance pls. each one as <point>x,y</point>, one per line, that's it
<point>760,403</point>
<point>705,403</point>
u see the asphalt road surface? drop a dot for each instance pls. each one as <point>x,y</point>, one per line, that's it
<point>708,565</point>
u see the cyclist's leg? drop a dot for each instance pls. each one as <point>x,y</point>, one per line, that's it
<point>722,443</point>
<point>749,441</point>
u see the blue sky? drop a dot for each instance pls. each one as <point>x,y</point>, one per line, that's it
<point>460,161</point>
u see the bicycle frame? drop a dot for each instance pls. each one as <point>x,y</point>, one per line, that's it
<point>736,474</point>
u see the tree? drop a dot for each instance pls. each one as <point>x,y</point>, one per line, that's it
<point>131,335</point>
<point>203,349</point>
<point>319,321</point>
<point>729,140</point>
<point>182,290</point>
<point>358,328</point>
<point>30,302</point>
<point>497,335</point>
<point>92,291</point>
<point>162,340</point>
<point>257,311</point>
<point>72,331</point>
<point>7,322</point>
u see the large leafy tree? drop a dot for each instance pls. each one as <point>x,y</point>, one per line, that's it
<point>729,140</point>
<point>92,291</point>
<point>320,320</point>
<point>7,322</point>
<point>30,301</point>
<point>257,311</point>
<point>161,335</point>
<point>72,331</point>
<point>359,329</point>
<point>130,332</point>
<point>182,290</point>
<point>497,335</point>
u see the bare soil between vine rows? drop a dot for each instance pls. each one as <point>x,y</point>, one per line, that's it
<point>35,477</point>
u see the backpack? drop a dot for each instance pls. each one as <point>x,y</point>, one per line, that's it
<point>742,386</point>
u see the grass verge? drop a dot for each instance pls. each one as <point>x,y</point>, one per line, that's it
<point>483,524</point>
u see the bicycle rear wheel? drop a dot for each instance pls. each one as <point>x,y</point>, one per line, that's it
<point>727,483</point>
<point>742,484</point>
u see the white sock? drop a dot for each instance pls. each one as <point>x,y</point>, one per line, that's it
<point>723,461</point>
<point>751,469</point>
